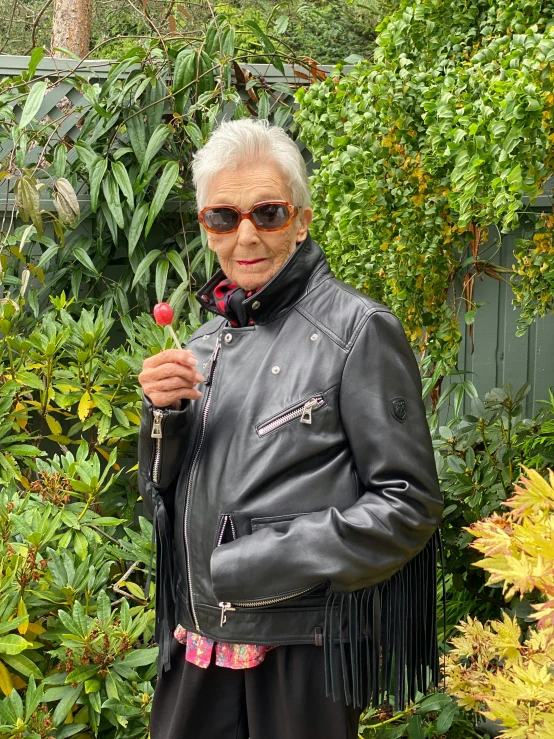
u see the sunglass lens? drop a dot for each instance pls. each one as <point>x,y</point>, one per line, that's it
<point>221,220</point>
<point>271,215</point>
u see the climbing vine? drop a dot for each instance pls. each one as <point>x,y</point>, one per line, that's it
<point>429,152</point>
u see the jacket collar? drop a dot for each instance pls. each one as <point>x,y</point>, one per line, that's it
<point>283,290</point>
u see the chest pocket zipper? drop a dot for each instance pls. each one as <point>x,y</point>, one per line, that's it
<point>302,410</point>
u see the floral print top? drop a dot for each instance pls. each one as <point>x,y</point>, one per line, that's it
<point>236,656</point>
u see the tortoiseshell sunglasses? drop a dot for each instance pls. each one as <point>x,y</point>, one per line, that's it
<point>268,215</point>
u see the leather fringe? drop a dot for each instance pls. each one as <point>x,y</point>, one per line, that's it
<point>165,588</point>
<point>391,632</point>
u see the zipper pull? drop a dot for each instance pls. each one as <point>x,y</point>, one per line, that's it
<point>307,410</point>
<point>208,366</point>
<point>224,608</point>
<point>157,425</point>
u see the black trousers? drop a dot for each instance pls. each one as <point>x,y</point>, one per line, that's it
<point>282,698</point>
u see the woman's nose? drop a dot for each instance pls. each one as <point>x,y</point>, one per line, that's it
<point>247,231</point>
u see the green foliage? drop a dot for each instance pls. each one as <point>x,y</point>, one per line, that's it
<point>430,716</point>
<point>329,31</point>
<point>534,284</point>
<point>79,276</point>
<point>499,668</point>
<point>480,456</point>
<point>84,658</point>
<point>443,134</point>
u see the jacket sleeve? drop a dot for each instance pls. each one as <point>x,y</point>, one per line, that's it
<point>393,518</point>
<point>175,437</point>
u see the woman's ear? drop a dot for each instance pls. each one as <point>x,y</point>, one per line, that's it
<point>305,218</point>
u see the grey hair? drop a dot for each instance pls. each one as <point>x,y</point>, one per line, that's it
<point>250,140</point>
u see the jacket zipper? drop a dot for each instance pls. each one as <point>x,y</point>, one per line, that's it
<point>227,519</point>
<point>226,606</point>
<point>302,410</point>
<point>208,382</point>
<point>157,435</point>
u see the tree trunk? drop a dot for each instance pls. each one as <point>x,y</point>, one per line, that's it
<point>72,26</point>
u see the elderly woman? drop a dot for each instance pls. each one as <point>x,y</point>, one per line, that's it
<point>286,459</point>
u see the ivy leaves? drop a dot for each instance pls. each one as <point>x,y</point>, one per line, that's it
<point>446,131</point>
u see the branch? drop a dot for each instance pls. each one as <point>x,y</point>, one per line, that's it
<point>36,22</point>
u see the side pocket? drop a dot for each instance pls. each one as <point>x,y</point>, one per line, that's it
<point>260,523</point>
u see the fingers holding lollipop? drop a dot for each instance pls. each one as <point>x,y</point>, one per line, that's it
<point>169,377</point>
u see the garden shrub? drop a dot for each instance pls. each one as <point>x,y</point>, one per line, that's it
<point>505,668</point>
<point>79,280</point>
<point>480,456</point>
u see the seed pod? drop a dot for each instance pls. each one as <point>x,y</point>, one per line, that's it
<point>66,201</point>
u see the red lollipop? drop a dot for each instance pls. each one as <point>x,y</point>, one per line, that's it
<point>163,315</point>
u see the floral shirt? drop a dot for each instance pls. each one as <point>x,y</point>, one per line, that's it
<point>236,656</point>
<point>228,298</point>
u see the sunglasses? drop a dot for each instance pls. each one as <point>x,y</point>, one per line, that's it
<point>268,215</point>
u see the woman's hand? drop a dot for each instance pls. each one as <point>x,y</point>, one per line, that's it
<point>170,376</point>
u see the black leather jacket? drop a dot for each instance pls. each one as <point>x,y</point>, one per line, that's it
<point>301,482</point>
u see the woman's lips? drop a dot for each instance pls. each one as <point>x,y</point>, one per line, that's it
<point>250,261</point>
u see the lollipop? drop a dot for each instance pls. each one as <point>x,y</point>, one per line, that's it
<point>163,315</point>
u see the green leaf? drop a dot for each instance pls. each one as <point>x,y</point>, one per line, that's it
<point>82,673</point>
<point>144,265</point>
<point>6,626</point>
<point>85,260</point>
<point>137,136</point>
<point>281,24</point>
<point>162,268</point>
<point>135,230</point>
<point>111,193</point>
<point>33,102</point>
<point>97,173</point>
<point>29,379</point>
<point>415,728</point>
<point>60,160</point>
<point>266,43</point>
<point>36,57</point>
<point>66,704</point>
<point>122,178</point>
<point>434,702</point>
<point>263,105</point>
<point>445,719</point>
<point>104,608</point>
<point>13,644</point>
<point>175,259</point>
<point>141,657</point>
<point>167,180</point>
<point>154,145</point>
<point>121,709</point>
<point>22,664</point>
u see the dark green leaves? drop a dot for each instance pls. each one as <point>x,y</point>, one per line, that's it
<point>167,180</point>
<point>154,145</point>
<point>135,230</point>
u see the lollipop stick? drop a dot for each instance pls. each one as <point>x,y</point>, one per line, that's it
<point>174,337</point>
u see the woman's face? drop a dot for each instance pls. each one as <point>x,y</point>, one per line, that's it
<point>250,257</point>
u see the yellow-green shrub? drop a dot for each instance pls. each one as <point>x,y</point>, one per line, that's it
<point>496,668</point>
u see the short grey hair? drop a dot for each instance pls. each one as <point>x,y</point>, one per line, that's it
<point>250,140</point>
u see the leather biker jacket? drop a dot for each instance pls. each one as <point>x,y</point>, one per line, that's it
<point>291,500</point>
